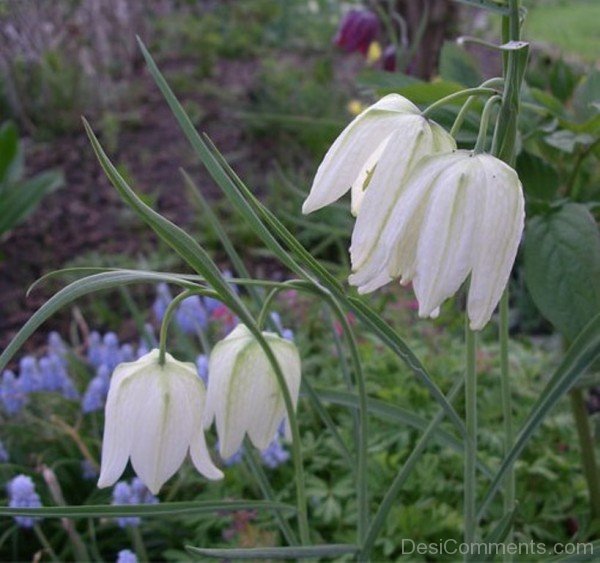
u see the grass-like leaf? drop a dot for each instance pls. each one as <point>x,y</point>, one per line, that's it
<point>581,354</point>
<point>263,553</point>
<point>209,508</point>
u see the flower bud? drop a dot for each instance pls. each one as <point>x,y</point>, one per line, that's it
<point>357,30</point>
<point>244,396</point>
<point>154,416</point>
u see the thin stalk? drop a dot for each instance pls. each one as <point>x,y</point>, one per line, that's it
<point>483,124</point>
<point>162,345</point>
<point>587,447</point>
<point>45,543</point>
<point>138,544</point>
<point>480,91</point>
<point>389,500</point>
<point>363,432</point>
<point>492,82</point>
<point>470,484</point>
<point>509,483</point>
<point>267,492</point>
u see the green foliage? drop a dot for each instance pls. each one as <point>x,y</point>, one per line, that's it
<point>457,65</point>
<point>19,197</point>
<point>562,266</point>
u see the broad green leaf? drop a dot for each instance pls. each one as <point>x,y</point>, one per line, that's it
<point>587,97</point>
<point>457,65</point>
<point>18,200</point>
<point>385,82</point>
<point>265,553</point>
<point>562,266</point>
<point>11,155</point>
<point>164,508</point>
<point>556,107</point>
<point>562,80</point>
<point>567,141</point>
<point>584,351</point>
<point>540,179</point>
<point>77,289</point>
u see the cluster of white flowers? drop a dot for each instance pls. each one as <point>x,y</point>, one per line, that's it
<point>426,212</point>
<point>157,412</point>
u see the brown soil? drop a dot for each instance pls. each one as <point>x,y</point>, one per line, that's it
<point>87,214</point>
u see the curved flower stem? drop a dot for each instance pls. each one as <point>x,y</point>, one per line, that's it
<point>480,91</point>
<point>492,83</point>
<point>470,484</point>
<point>483,125</point>
<point>362,435</point>
<point>162,346</point>
<point>509,492</point>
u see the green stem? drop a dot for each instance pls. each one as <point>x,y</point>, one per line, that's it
<point>509,484</point>
<point>464,110</point>
<point>267,492</point>
<point>458,96</point>
<point>138,544</point>
<point>162,346</point>
<point>483,125</point>
<point>363,432</point>
<point>587,447</point>
<point>471,438</point>
<point>45,543</point>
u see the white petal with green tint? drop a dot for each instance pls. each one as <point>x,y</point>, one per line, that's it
<point>244,396</point>
<point>153,413</point>
<point>344,164</point>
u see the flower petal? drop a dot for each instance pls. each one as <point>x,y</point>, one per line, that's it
<point>445,248</point>
<point>201,458</point>
<point>351,150</point>
<point>122,407</point>
<point>502,219</point>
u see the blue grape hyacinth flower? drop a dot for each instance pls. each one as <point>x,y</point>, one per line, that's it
<point>21,494</point>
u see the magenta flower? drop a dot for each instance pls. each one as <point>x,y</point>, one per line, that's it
<point>357,31</point>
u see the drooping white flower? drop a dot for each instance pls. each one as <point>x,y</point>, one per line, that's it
<point>459,213</point>
<point>390,135</point>
<point>243,395</point>
<point>154,416</point>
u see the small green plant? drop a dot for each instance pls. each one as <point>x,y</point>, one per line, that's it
<point>19,196</point>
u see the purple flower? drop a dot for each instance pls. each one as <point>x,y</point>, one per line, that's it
<point>21,493</point>
<point>131,493</point>
<point>29,374</point>
<point>88,470</point>
<point>97,390</point>
<point>357,31</point>
<point>202,365</point>
<point>275,454</point>
<point>126,556</point>
<point>55,377</point>
<point>388,59</point>
<point>4,457</point>
<point>191,315</point>
<point>12,395</point>
<point>163,298</point>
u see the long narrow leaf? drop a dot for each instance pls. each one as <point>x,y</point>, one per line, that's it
<point>113,511</point>
<point>582,354</point>
<point>255,213</point>
<point>263,553</point>
<point>75,290</point>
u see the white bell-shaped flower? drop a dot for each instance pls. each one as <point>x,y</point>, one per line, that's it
<point>244,396</point>
<point>154,416</point>
<point>372,155</point>
<point>460,213</point>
